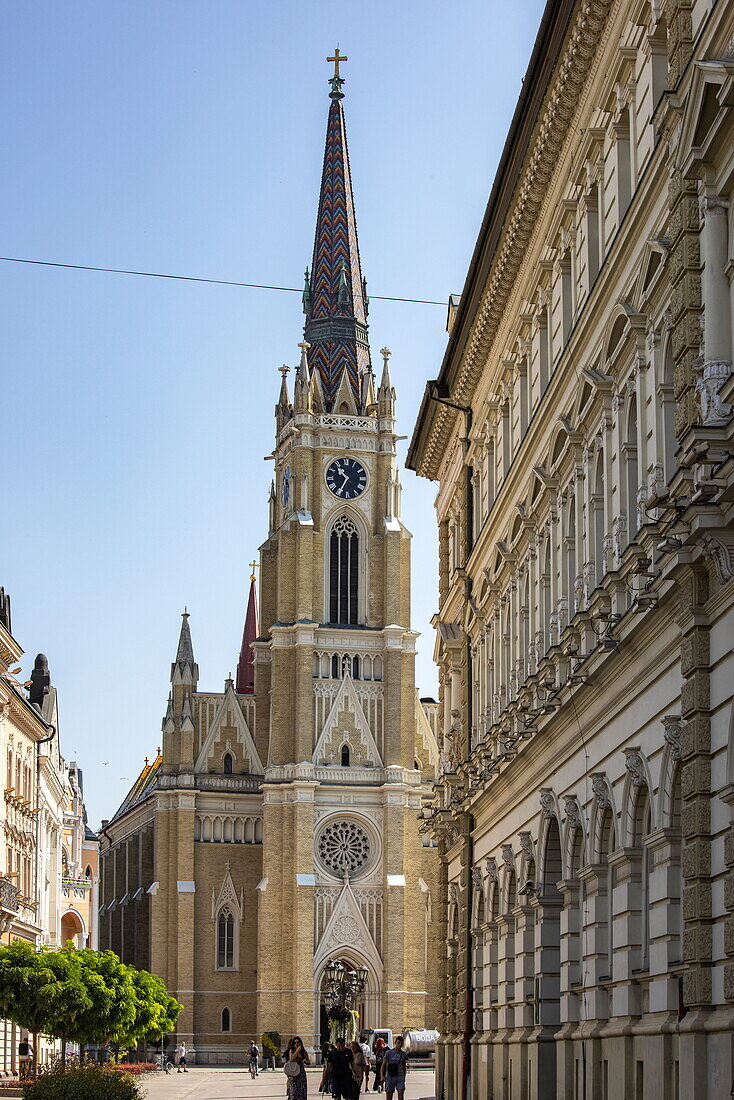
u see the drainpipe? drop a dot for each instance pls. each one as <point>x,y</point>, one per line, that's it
<point>469,1002</point>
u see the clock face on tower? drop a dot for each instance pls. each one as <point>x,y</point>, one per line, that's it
<point>346,478</point>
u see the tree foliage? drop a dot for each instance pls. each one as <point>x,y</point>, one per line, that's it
<point>83,996</point>
<point>83,1083</point>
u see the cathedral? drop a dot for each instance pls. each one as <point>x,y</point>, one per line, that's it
<point>276,829</point>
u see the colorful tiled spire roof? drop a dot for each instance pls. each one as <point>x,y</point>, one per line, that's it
<point>335,297</point>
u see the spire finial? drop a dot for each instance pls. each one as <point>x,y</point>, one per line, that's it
<point>385,353</point>
<point>253,566</point>
<point>336,80</point>
<point>284,370</point>
<point>303,365</point>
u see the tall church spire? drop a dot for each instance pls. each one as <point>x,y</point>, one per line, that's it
<point>246,664</point>
<point>335,297</point>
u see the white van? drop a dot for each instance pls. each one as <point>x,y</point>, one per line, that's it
<point>370,1037</point>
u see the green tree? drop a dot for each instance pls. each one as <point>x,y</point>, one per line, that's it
<point>156,1012</point>
<point>113,1000</point>
<point>28,989</point>
<point>68,998</point>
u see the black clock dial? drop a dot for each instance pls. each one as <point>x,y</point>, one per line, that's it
<point>346,478</point>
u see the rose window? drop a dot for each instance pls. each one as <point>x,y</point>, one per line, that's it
<point>343,846</point>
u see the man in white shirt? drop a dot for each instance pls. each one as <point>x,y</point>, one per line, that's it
<point>368,1059</point>
<point>182,1059</point>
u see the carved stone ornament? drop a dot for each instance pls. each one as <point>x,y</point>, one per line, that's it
<point>476,877</point>
<point>526,844</point>
<point>453,894</point>
<point>547,803</point>
<point>714,373</point>
<point>572,811</point>
<point>600,789</point>
<point>508,856</point>
<point>490,866</point>
<point>634,765</point>
<point>672,729</point>
<point>720,550</point>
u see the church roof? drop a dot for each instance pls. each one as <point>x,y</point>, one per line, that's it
<point>142,786</point>
<point>335,297</point>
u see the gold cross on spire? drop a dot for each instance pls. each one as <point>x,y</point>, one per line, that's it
<point>253,566</point>
<point>336,80</point>
<point>336,59</point>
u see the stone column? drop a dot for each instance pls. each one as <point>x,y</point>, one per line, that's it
<point>717,316</point>
<point>547,995</point>
<point>595,938</point>
<point>626,866</point>
<point>663,847</point>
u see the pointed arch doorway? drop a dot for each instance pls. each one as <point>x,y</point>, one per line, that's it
<point>366,1004</point>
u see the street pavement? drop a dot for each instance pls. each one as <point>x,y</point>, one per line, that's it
<point>212,1083</point>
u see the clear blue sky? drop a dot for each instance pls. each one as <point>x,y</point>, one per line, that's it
<point>187,136</point>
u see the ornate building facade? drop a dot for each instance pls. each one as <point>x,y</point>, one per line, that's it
<point>581,433</point>
<point>48,886</point>
<point>277,829</point>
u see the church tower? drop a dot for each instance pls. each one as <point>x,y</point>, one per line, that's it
<point>276,829</point>
<point>345,872</point>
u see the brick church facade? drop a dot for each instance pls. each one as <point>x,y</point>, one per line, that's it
<point>277,828</point>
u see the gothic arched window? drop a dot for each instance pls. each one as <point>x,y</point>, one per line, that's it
<point>228,763</point>
<point>345,756</point>
<point>225,940</point>
<point>344,572</point>
<point>226,1020</point>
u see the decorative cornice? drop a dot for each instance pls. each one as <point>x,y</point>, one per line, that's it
<point>531,189</point>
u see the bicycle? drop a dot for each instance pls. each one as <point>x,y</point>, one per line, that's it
<point>162,1064</point>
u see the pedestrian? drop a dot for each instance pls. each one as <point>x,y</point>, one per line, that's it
<point>297,1056</point>
<point>25,1058</point>
<point>394,1068</point>
<point>364,1047</point>
<point>182,1059</point>
<point>337,1075</point>
<point>359,1068</point>
<point>254,1056</point>
<point>380,1048</point>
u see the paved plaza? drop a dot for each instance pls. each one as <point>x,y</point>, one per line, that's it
<point>225,1084</point>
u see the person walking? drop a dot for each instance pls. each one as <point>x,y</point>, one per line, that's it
<point>337,1075</point>
<point>364,1047</point>
<point>360,1067</point>
<point>394,1068</point>
<point>182,1059</point>
<point>298,1056</point>
<point>254,1057</point>
<point>379,1052</point>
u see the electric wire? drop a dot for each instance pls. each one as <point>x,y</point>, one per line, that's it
<point>197,279</point>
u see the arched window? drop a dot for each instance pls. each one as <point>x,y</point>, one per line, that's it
<point>344,573</point>
<point>226,1020</point>
<point>10,768</point>
<point>64,863</point>
<point>225,940</point>
<point>228,763</point>
<point>345,756</point>
<point>88,872</point>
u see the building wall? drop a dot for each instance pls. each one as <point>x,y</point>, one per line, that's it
<point>586,613</point>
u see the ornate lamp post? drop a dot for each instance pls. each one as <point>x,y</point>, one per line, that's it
<point>343,984</point>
